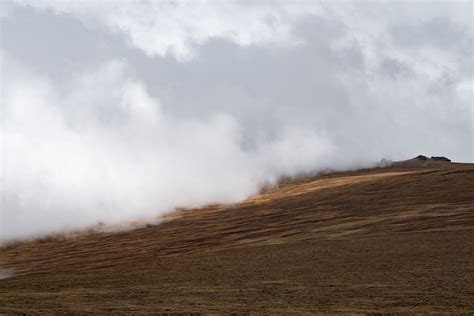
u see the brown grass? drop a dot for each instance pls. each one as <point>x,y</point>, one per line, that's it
<point>383,240</point>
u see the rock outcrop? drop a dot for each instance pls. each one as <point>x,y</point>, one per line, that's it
<point>440,158</point>
<point>420,161</point>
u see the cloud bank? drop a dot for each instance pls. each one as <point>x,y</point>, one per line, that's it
<point>125,110</point>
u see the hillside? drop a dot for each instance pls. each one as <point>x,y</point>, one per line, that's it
<point>393,239</point>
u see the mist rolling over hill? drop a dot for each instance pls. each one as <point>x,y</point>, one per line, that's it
<point>393,240</point>
<point>123,110</point>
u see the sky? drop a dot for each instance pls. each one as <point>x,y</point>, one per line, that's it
<point>113,111</point>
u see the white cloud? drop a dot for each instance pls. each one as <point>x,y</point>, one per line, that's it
<point>175,27</point>
<point>101,149</point>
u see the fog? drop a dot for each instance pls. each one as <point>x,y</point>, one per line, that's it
<point>121,111</point>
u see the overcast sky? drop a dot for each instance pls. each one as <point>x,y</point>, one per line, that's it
<point>117,110</point>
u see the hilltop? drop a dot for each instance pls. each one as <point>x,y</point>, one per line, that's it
<point>392,239</point>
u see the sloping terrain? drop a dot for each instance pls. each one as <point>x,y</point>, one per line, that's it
<point>396,239</point>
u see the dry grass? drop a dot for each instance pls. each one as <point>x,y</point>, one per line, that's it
<point>382,240</point>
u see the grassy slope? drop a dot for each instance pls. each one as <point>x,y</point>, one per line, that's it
<point>393,240</point>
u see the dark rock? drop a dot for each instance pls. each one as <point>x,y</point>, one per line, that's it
<point>441,158</point>
<point>421,157</point>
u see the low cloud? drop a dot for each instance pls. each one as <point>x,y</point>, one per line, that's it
<point>102,149</point>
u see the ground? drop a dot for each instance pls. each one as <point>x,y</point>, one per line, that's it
<point>385,240</point>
